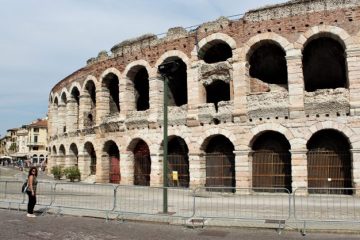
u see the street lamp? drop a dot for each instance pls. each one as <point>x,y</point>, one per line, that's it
<point>166,70</point>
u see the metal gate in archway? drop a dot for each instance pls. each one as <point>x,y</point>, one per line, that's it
<point>220,171</point>
<point>142,169</point>
<point>178,170</point>
<point>114,170</point>
<point>271,170</point>
<point>329,169</point>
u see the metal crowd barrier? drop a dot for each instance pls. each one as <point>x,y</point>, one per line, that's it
<point>149,201</point>
<point>82,196</point>
<point>271,205</point>
<point>327,205</point>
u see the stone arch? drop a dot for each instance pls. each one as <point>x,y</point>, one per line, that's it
<point>178,84</point>
<point>139,158</point>
<point>276,38</point>
<point>56,99</point>
<point>73,155</point>
<point>213,37</point>
<point>111,161</point>
<point>136,63</point>
<point>111,86</point>
<point>137,75</point>
<point>270,160</point>
<point>173,53</point>
<point>108,71</point>
<point>202,142</point>
<point>88,79</point>
<point>334,32</point>
<point>75,85</point>
<point>64,95</point>
<point>256,131</point>
<point>90,158</point>
<point>219,163</point>
<point>347,132</point>
<point>329,162</point>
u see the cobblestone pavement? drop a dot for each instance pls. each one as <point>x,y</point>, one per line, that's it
<point>15,225</point>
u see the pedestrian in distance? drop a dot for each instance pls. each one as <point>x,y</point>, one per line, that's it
<point>31,191</point>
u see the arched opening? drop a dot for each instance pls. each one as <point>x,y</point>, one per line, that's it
<point>61,157</point>
<point>75,94</point>
<point>217,91</point>
<point>178,163</point>
<point>142,166</point>
<point>177,84</point>
<point>268,64</point>
<point>74,153</point>
<point>140,79</point>
<point>112,151</point>
<point>90,155</point>
<point>216,51</point>
<point>324,64</point>
<point>111,82</point>
<point>90,115</point>
<point>35,159</point>
<point>329,162</point>
<point>220,164</point>
<point>271,162</point>
<point>64,103</point>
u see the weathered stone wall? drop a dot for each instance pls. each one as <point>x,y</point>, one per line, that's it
<point>254,107</point>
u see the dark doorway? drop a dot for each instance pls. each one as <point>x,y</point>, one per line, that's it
<point>324,64</point>
<point>217,51</point>
<point>268,63</point>
<point>142,166</point>
<point>271,166</point>
<point>216,92</point>
<point>220,164</point>
<point>329,163</point>
<point>113,154</point>
<point>111,82</point>
<point>178,163</point>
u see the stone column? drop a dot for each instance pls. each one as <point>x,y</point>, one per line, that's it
<point>156,178</point>
<point>54,120</point>
<point>197,170</point>
<point>127,168</point>
<point>296,84</point>
<point>299,169</point>
<point>193,92</point>
<point>356,169</point>
<point>84,165</point>
<point>60,160</point>
<point>123,99</point>
<point>243,169</point>
<point>241,86</point>
<point>103,169</point>
<point>156,99</point>
<point>61,118</point>
<point>353,65</point>
<point>102,105</point>
<point>71,115</point>
<point>85,108</point>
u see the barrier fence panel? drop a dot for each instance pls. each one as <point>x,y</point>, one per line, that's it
<point>327,206</point>
<point>44,194</point>
<point>84,196</point>
<point>149,200</point>
<point>11,192</point>
<point>243,203</point>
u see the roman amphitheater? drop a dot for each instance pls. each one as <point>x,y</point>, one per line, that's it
<point>270,99</point>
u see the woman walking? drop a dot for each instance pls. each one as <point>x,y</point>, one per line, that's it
<point>31,192</point>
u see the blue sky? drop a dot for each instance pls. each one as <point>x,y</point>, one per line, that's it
<point>43,41</point>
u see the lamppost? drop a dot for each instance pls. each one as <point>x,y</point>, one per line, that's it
<point>166,70</point>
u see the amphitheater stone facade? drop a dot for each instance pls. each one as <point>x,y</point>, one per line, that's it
<point>268,100</point>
